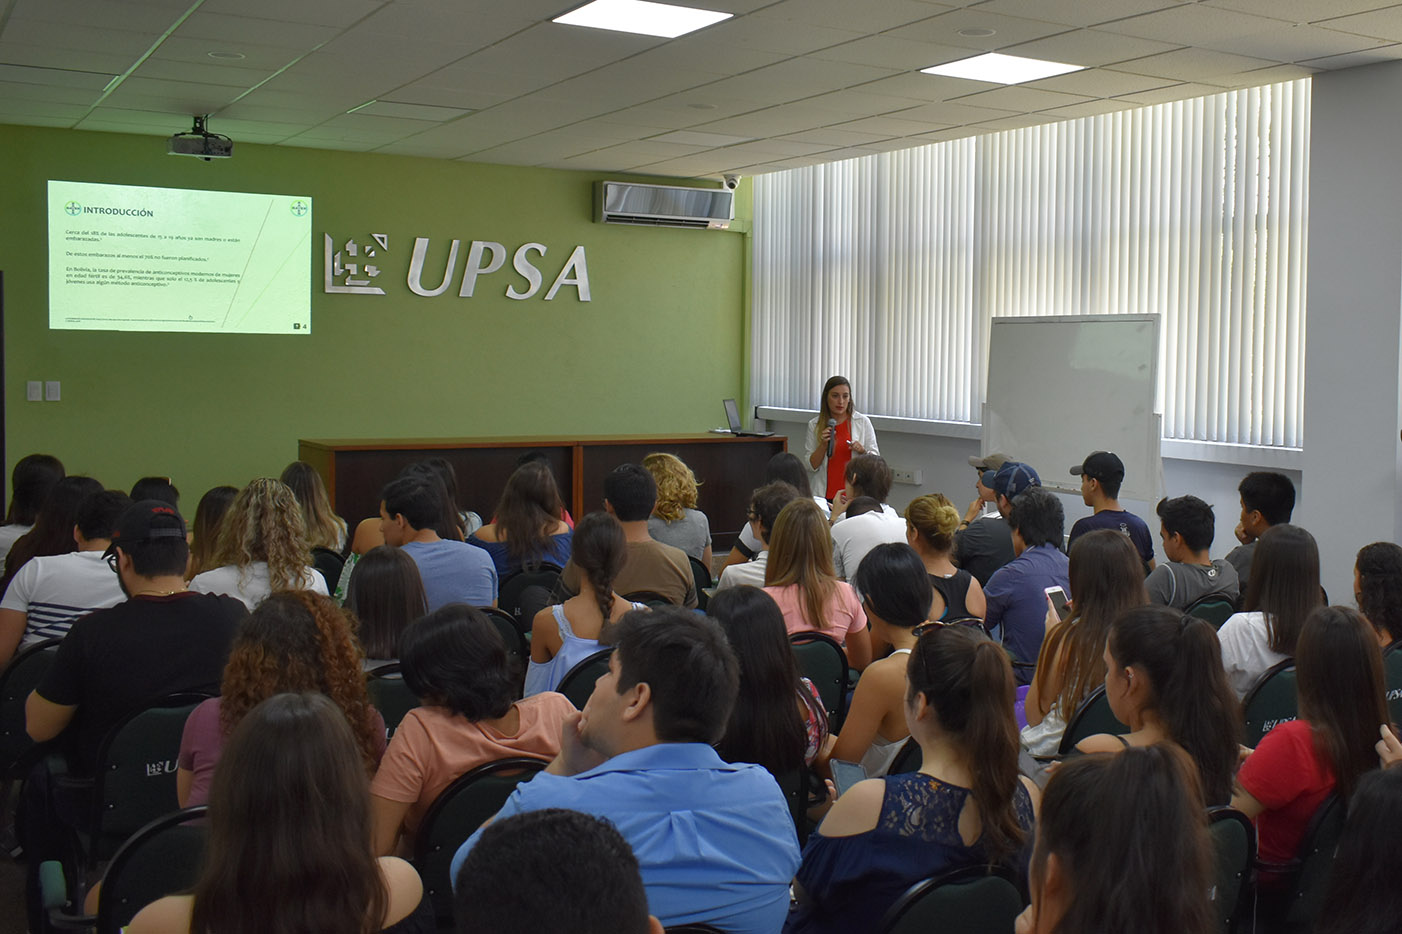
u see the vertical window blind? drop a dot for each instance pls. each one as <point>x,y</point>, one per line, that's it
<point>889,268</point>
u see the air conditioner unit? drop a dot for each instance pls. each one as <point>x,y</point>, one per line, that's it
<point>663,205</point>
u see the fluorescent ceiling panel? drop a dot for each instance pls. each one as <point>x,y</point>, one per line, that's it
<point>1001,69</point>
<point>642,17</point>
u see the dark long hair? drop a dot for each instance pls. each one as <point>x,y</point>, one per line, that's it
<point>599,550</point>
<point>1284,583</point>
<point>386,594</point>
<point>968,681</point>
<point>1182,659</point>
<point>53,527</point>
<point>1379,568</point>
<point>894,585</point>
<point>289,813</point>
<point>31,481</point>
<point>209,515</point>
<point>529,509</point>
<point>1363,895</point>
<point>1129,831</point>
<point>1107,578</point>
<point>788,468</point>
<point>765,726</point>
<point>1339,678</point>
<point>455,658</point>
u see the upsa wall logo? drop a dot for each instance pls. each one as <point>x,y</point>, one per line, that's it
<point>355,268</point>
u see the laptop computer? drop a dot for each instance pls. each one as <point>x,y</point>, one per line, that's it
<point>732,416</point>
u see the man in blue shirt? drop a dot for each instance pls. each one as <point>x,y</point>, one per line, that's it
<point>1101,474</point>
<point>452,572</point>
<point>714,840</point>
<point>1017,599</point>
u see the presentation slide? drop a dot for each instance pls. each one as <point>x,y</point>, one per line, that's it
<point>126,258</point>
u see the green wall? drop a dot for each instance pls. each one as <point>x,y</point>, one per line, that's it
<point>657,348</point>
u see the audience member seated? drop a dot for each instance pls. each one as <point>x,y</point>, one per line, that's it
<point>896,597</point>
<point>854,536</point>
<point>565,634</point>
<point>930,522</point>
<point>1363,896</point>
<point>1284,590</point>
<point>1164,680</point>
<point>1017,592</point>
<point>50,592</point>
<point>966,806</point>
<point>782,467</point>
<point>1101,475</point>
<point>629,495</point>
<point>385,594</point>
<point>455,663</point>
<point>1339,678</point>
<point>1107,577</point>
<point>1377,587</point>
<point>324,528</point>
<point>160,488</point>
<point>1186,527</point>
<point>52,533</point>
<point>765,505</point>
<point>289,819</point>
<point>983,542</point>
<point>514,881</point>
<point>451,521</point>
<point>640,755</point>
<point>295,641</point>
<point>527,530</point>
<point>800,578</point>
<point>1267,499</point>
<point>1122,845</point>
<point>778,720</point>
<point>204,534</point>
<point>262,547</point>
<point>675,520</point>
<point>31,482</point>
<point>452,571</point>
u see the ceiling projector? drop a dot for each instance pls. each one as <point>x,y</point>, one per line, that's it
<point>201,143</point>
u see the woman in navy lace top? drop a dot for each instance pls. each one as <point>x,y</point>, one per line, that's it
<point>886,834</point>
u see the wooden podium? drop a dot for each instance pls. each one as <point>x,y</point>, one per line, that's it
<point>728,468</point>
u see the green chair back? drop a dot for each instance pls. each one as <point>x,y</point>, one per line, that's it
<point>1270,702</point>
<point>973,900</point>
<point>1094,716</point>
<point>822,661</point>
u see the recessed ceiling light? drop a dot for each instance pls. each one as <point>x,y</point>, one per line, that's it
<point>641,16</point>
<point>1001,69</point>
<point>226,56</point>
<point>977,32</point>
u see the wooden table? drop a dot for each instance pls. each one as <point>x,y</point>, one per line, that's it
<point>729,468</point>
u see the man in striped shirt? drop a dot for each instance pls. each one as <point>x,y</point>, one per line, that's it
<point>48,593</point>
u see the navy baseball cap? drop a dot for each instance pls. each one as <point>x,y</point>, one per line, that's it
<point>1013,478</point>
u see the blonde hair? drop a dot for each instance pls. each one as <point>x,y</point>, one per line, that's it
<point>800,552</point>
<point>265,524</point>
<point>676,486</point>
<point>934,519</point>
<point>324,528</point>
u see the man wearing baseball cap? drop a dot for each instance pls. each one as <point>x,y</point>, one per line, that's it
<point>1101,474</point>
<point>983,543</point>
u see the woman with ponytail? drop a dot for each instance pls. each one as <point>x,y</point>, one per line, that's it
<point>565,634</point>
<point>966,806</point>
<point>930,522</point>
<point>1164,678</point>
<point>1339,678</point>
<point>1122,846</point>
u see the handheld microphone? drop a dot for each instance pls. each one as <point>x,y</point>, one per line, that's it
<point>832,424</point>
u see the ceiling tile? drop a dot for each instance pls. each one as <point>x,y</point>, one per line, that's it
<point>1299,11</point>
<point>1386,53</point>
<point>54,77</point>
<point>135,17</point>
<point>774,121</point>
<point>36,95</point>
<point>834,137</point>
<point>1380,24</point>
<point>1173,92</point>
<point>844,14</point>
<point>1021,98</point>
<point>892,52</point>
<point>889,126</point>
<point>227,30</point>
<point>954,114</point>
<point>1295,43</point>
<point>779,35</point>
<point>1086,109</point>
<point>263,57</point>
<point>1079,12</point>
<point>120,42</point>
<point>1192,65</point>
<point>1010,30</point>
<point>1095,82</point>
<point>339,13</point>
<point>1192,25</point>
<point>1091,48</point>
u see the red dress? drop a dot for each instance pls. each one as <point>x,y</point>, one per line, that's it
<point>841,456</point>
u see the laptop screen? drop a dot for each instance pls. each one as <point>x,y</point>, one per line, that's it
<point>732,415</point>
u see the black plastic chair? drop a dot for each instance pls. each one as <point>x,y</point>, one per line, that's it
<point>702,576</point>
<point>972,900</point>
<point>518,652</point>
<point>18,752</point>
<point>1234,853</point>
<point>822,660</point>
<point>455,815</point>
<point>648,598</point>
<point>908,759</point>
<point>1092,717</point>
<point>1392,675</point>
<point>390,695</point>
<point>512,589</point>
<point>329,564</point>
<point>1271,701</point>
<point>578,682</point>
<point>1215,608</point>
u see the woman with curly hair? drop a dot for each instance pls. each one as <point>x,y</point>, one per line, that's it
<point>675,520</point>
<point>262,547</point>
<point>324,528</point>
<point>1377,586</point>
<point>527,530</point>
<point>295,642</point>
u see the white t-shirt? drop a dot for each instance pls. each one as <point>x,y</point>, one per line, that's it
<point>749,542</point>
<point>853,537</point>
<point>253,585</point>
<point>54,590</point>
<point>1245,652</point>
<point>750,573</point>
<point>9,534</point>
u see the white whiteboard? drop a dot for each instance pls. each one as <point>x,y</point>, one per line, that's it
<point>1062,387</point>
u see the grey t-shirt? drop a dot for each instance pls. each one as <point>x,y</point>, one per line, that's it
<point>1180,585</point>
<point>1240,558</point>
<point>691,533</point>
<point>984,547</point>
